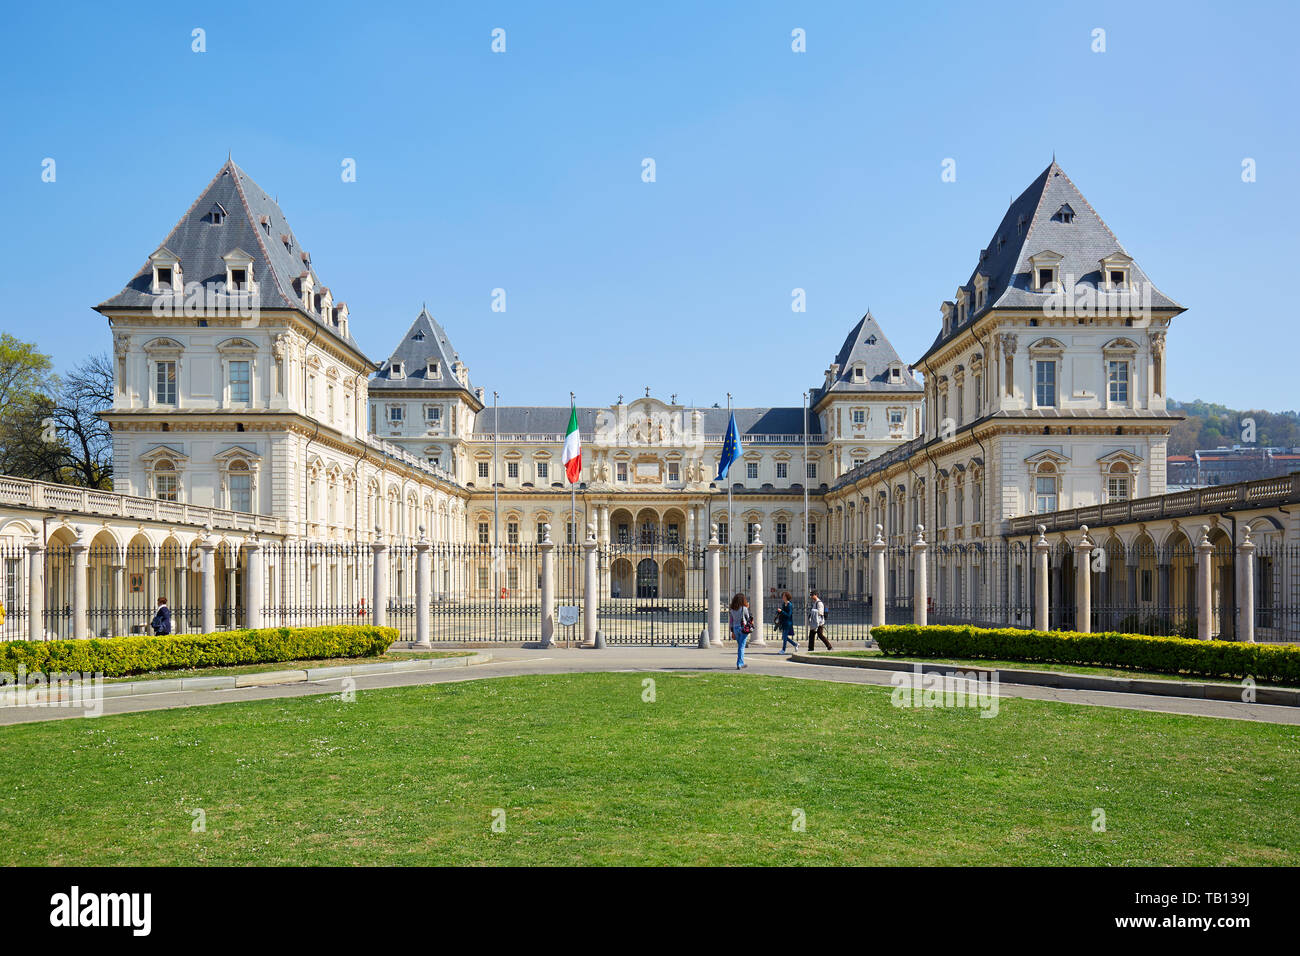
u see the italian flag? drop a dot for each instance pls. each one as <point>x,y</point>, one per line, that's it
<point>572,455</point>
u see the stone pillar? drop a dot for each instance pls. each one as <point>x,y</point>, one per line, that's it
<point>713,600</point>
<point>207,585</point>
<point>547,550</point>
<point>1042,599</point>
<point>232,569</point>
<point>920,582</point>
<point>1246,588</point>
<point>151,582</point>
<point>119,595</point>
<point>80,588</point>
<point>590,589</point>
<point>1204,572</point>
<point>253,579</point>
<point>422,588</point>
<point>755,548</point>
<point>1083,584</point>
<point>181,610</point>
<point>36,591</point>
<point>379,575</point>
<point>878,596</point>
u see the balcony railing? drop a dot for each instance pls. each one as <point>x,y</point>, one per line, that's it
<point>43,496</point>
<point>1263,493</point>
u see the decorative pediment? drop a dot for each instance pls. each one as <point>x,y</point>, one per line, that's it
<point>237,453</point>
<point>236,345</point>
<point>163,453</point>
<point>1120,455</point>
<point>1046,457</point>
<point>162,345</point>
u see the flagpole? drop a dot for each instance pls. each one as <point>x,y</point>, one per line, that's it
<point>573,517</point>
<point>496,524</point>
<point>806,545</point>
<point>731,521</point>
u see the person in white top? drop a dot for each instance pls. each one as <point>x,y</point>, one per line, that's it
<point>817,622</point>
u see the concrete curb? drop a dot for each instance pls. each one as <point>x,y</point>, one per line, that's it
<point>269,678</point>
<point>1281,696</point>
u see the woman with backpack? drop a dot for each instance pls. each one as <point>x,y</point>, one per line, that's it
<point>742,625</point>
<point>785,622</point>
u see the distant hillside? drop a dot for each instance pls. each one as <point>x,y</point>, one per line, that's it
<point>1211,426</point>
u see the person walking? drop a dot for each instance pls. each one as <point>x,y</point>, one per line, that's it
<point>785,622</point>
<point>742,624</point>
<point>817,622</point>
<point>162,619</point>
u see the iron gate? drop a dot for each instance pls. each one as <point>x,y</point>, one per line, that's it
<point>652,591</point>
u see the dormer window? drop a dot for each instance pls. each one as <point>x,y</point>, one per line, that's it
<point>418,336</point>
<point>166,272</point>
<point>1020,226</point>
<point>217,214</point>
<point>859,373</point>
<point>1064,214</point>
<point>266,224</point>
<point>287,240</point>
<point>1045,266</point>
<point>397,370</point>
<point>871,340</point>
<point>239,271</point>
<point>895,374</point>
<point>1115,271</point>
<point>434,370</point>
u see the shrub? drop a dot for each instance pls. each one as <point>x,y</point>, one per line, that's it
<point>119,656</point>
<point>1165,655</point>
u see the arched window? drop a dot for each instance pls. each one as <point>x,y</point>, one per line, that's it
<point>165,481</point>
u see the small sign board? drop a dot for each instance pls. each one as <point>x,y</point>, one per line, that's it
<point>568,615</point>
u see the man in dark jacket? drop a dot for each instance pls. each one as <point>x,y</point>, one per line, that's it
<point>162,621</point>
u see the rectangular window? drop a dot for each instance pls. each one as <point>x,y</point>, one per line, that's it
<point>166,487</point>
<point>165,386</point>
<point>241,492</point>
<point>329,402</point>
<point>812,469</point>
<point>543,470</point>
<point>1046,277</point>
<point>859,462</point>
<point>239,381</point>
<point>751,470</point>
<point>1117,489</point>
<point>512,578</point>
<point>512,532</point>
<point>1045,384</point>
<point>812,533</point>
<point>895,418</point>
<point>749,531</point>
<point>724,533</point>
<point>624,533</point>
<point>541,531</point>
<point>674,533</point>
<point>1045,495</point>
<point>482,579</point>
<point>782,532</point>
<point>484,535</point>
<point>395,414</point>
<point>512,469</point>
<point>859,416</point>
<point>482,469</point>
<point>782,470</point>
<point>570,533</point>
<point>621,471</point>
<point>1117,382</point>
<point>674,471</point>
<point>432,414</point>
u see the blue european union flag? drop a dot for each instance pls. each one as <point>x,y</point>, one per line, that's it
<point>730,449</point>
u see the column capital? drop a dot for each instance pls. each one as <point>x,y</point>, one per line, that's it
<point>1042,544</point>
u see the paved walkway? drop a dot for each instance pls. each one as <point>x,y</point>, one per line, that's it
<point>510,662</point>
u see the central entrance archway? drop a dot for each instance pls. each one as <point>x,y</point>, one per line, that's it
<point>647,579</point>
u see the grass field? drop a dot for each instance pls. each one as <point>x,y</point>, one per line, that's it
<point>711,772</point>
<point>285,665</point>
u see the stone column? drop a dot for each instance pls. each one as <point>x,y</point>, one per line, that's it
<point>253,579</point>
<point>422,585</point>
<point>379,575</point>
<point>590,590</point>
<point>36,591</point>
<point>756,599</point>
<point>1204,571</point>
<point>547,550</point>
<point>1041,597</point>
<point>119,594</point>
<point>232,569</point>
<point>181,610</point>
<point>1083,584</point>
<point>713,574</point>
<point>80,588</point>
<point>1246,587</point>
<point>207,585</point>
<point>878,578</point>
<point>151,582</point>
<point>920,582</point>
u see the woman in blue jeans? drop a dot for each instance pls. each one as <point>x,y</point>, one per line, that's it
<point>742,622</point>
<point>785,621</point>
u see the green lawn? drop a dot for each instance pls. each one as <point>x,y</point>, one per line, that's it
<point>285,666</point>
<point>586,772</point>
<point>1044,666</point>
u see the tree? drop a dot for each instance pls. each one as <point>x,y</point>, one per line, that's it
<point>27,389</point>
<point>87,441</point>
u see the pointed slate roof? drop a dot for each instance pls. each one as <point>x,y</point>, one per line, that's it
<point>425,341</point>
<point>1050,216</point>
<point>867,345</point>
<point>251,221</point>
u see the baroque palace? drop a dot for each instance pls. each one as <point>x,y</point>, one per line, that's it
<point>243,405</point>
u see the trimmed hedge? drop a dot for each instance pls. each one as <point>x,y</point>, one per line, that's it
<point>1165,655</point>
<point>120,656</point>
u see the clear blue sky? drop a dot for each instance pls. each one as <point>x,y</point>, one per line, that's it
<point>775,170</point>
